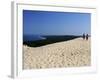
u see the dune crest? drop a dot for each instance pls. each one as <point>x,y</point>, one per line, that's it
<point>72,53</point>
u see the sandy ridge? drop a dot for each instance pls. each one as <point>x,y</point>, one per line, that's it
<point>73,53</point>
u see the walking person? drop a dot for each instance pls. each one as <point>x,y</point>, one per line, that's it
<point>87,36</point>
<point>83,36</point>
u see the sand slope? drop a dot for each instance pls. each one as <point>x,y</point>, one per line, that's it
<point>73,53</point>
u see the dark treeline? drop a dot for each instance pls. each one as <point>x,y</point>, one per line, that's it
<point>49,40</point>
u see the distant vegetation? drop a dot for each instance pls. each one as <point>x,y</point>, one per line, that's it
<point>49,40</point>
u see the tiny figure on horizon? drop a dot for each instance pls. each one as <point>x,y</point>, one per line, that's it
<point>87,36</point>
<point>83,36</point>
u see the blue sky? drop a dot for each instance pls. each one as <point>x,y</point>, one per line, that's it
<point>55,23</point>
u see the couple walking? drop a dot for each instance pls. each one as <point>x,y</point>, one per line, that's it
<point>85,36</point>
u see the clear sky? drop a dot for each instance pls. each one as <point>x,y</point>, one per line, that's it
<point>55,23</point>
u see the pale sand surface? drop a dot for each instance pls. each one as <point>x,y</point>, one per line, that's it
<point>73,53</point>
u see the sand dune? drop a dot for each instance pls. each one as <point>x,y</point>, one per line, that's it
<point>73,53</point>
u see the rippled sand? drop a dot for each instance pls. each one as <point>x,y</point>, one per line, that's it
<point>73,53</point>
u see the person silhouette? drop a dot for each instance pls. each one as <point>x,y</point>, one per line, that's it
<point>83,36</point>
<point>87,36</point>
